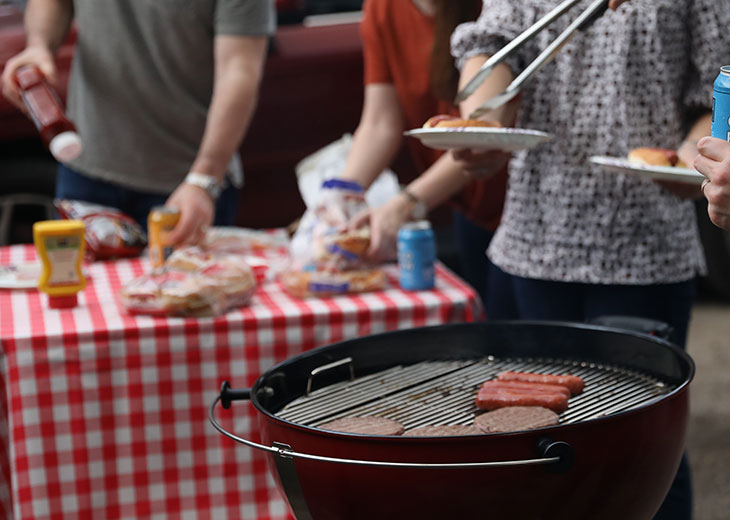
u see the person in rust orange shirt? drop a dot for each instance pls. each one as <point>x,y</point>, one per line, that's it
<point>409,77</point>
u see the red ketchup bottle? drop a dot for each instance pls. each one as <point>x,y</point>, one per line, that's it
<point>41,100</point>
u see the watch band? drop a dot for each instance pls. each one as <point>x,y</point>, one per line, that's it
<point>209,183</point>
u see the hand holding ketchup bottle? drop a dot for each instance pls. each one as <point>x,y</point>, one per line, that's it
<point>44,106</point>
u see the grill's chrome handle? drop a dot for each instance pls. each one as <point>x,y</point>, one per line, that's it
<point>557,454</point>
<point>324,368</point>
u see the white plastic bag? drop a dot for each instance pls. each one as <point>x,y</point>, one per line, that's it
<point>328,163</point>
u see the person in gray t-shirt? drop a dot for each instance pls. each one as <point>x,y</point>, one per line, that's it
<point>161,92</point>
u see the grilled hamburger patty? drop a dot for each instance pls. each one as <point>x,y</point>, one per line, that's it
<point>364,425</point>
<point>444,430</point>
<point>515,418</point>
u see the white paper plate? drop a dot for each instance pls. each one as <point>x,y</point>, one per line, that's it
<point>666,173</point>
<point>479,138</point>
<point>20,276</point>
<point>23,276</point>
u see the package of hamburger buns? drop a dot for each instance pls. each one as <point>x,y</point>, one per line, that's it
<point>328,256</point>
<point>192,282</point>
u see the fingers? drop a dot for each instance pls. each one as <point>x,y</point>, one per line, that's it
<point>703,165</point>
<point>38,56</point>
<point>185,229</point>
<point>376,241</point>
<point>196,214</point>
<point>360,220</point>
<point>481,165</point>
<point>713,160</point>
<point>713,148</point>
<point>718,206</point>
<point>704,184</point>
<point>10,88</point>
<point>718,198</point>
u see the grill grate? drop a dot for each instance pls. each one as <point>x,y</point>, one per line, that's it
<point>443,392</point>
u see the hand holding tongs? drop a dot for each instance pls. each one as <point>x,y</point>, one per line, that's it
<point>586,18</point>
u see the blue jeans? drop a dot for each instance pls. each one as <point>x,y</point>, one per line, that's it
<point>669,303</point>
<point>490,282</point>
<point>73,185</point>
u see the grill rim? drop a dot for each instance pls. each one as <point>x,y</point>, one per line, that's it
<point>259,387</point>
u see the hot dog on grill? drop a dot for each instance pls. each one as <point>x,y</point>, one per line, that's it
<point>522,386</point>
<point>487,399</point>
<point>573,383</point>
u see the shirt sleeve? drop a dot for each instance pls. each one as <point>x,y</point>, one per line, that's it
<point>500,22</point>
<point>709,23</point>
<point>374,54</point>
<point>245,17</point>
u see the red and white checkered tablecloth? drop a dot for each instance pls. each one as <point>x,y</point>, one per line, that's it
<point>104,415</point>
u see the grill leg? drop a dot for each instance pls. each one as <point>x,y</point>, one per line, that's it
<point>290,481</point>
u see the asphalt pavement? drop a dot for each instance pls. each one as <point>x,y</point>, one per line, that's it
<point>708,441</point>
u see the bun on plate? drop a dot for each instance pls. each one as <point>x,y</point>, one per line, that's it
<point>653,156</point>
<point>446,121</point>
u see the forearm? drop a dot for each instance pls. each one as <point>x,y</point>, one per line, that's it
<point>440,182</point>
<point>433,187</point>
<point>235,94</point>
<point>496,83</point>
<point>47,22</point>
<point>374,145</point>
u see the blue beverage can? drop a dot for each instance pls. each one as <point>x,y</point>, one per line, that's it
<point>721,105</point>
<point>416,256</point>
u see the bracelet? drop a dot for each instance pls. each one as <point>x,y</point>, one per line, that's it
<point>419,210</point>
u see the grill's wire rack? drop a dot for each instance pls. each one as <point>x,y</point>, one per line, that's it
<point>443,392</point>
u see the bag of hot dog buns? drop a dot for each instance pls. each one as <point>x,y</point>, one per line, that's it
<point>192,282</point>
<point>327,257</point>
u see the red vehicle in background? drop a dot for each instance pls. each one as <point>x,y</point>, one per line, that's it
<point>311,95</point>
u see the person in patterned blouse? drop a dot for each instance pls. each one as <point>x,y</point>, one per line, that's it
<point>579,242</point>
<point>713,162</point>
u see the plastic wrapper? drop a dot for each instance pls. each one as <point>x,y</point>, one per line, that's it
<point>265,251</point>
<point>322,241</point>
<point>244,241</point>
<point>304,284</point>
<point>192,282</point>
<point>109,232</point>
<point>328,258</point>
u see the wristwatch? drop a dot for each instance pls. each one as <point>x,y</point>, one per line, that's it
<point>419,209</point>
<point>209,183</point>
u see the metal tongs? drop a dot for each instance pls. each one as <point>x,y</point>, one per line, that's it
<point>586,18</point>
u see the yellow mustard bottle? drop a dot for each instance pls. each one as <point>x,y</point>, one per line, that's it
<point>60,245</point>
